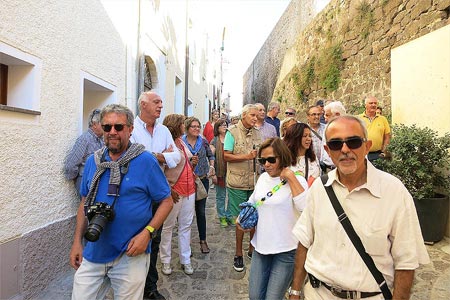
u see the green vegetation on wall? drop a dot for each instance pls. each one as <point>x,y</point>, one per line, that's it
<point>323,71</point>
<point>365,18</point>
<point>328,68</point>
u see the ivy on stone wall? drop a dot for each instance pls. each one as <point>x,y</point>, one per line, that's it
<point>328,68</point>
<point>323,72</point>
<point>365,18</point>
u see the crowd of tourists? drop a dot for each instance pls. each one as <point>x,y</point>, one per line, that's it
<point>324,221</point>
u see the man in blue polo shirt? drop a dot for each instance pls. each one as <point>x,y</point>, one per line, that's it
<point>125,179</point>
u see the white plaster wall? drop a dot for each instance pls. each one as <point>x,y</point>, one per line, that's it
<point>163,37</point>
<point>421,81</point>
<point>68,37</point>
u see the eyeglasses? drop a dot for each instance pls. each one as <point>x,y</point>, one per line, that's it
<point>315,114</point>
<point>223,125</point>
<point>194,126</point>
<point>94,113</point>
<point>270,159</point>
<point>288,113</point>
<point>108,127</point>
<point>352,142</point>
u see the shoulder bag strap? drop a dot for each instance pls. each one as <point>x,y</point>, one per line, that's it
<point>315,133</point>
<point>348,227</point>
<point>306,168</point>
<point>273,191</point>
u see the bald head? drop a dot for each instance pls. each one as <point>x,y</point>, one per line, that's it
<point>150,106</point>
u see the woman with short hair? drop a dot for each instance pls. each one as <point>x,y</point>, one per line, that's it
<point>199,147</point>
<point>182,182</point>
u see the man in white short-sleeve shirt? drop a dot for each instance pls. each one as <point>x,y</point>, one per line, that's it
<point>381,211</point>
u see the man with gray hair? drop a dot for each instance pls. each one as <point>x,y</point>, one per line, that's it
<point>157,140</point>
<point>273,109</point>
<point>377,127</point>
<point>334,109</point>
<point>381,211</point>
<point>241,141</point>
<point>120,183</point>
<point>90,141</point>
<point>290,112</point>
<point>267,130</point>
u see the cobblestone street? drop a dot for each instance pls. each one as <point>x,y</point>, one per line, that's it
<point>215,279</point>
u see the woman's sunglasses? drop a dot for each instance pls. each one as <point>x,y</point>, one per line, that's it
<point>108,127</point>
<point>352,142</point>
<point>270,159</point>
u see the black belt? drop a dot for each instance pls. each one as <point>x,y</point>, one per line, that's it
<point>340,293</point>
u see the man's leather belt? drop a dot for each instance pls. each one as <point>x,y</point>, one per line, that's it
<point>344,294</point>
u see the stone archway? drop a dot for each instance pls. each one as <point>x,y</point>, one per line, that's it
<point>150,74</point>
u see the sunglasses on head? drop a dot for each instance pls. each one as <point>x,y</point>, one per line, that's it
<point>352,142</point>
<point>289,113</point>
<point>108,127</point>
<point>270,159</point>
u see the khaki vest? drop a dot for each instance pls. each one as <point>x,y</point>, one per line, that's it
<point>240,175</point>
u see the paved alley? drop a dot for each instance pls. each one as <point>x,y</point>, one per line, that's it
<point>215,279</point>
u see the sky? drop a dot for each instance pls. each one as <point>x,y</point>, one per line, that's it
<point>248,23</point>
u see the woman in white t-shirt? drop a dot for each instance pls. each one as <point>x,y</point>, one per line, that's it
<point>298,140</point>
<point>273,258</point>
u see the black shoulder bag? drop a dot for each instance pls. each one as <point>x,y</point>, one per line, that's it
<point>348,227</point>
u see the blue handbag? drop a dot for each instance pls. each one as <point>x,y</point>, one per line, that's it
<point>248,217</point>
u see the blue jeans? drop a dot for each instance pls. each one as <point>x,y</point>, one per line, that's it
<point>221,194</point>
<point>270,275</point>
<point>125,275</point>
<point>200,206</point>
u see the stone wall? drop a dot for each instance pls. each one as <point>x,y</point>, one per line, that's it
<point>344,53</point>
<point>261,77</point>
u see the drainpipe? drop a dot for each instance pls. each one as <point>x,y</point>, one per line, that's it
<point>139,81</point>
<point>186,64</point>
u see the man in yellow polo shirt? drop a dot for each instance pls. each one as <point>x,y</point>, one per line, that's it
<point>379,131</point>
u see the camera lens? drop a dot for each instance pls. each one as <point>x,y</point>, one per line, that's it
<point>95,227</point>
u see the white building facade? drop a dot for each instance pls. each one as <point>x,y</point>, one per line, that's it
<point>58,61</point>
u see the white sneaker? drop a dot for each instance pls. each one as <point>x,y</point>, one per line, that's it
<point>166,269</point>
<point>188,269</point>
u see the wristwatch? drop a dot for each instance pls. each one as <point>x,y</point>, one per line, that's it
<point>151,230</point>
<point>292,292</point>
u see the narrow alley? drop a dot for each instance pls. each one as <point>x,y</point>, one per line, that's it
<point>215,279</point>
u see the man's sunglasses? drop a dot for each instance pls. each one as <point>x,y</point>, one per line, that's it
<point>352,142</point>
<point>108,127</point>
<point>270,159</point>
<point>288,113</point>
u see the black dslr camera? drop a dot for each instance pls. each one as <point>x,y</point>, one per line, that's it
<point>98,215</point>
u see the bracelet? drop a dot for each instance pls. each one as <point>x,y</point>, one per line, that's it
<point>292,292</point>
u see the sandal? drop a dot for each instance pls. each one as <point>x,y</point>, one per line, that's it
<point>204,247</point>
